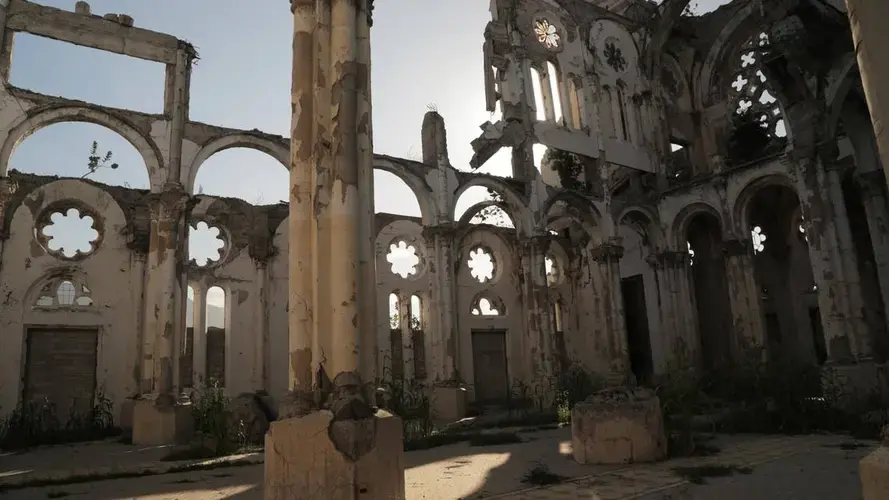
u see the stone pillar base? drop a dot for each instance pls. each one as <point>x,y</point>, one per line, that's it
<point>854,383</point>
<point>874,473</point>
<point>301,460</point>
<point>125,422</point>
<point>448,403</point>
<point>158,425</point>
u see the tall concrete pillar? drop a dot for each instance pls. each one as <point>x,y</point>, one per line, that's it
<point>676,313</point>
<point>331,443</point>
<point>748,325</point>
<point>611,326</point>
<point>157,417</point>
<point>876,207</point>
<point>868,20</point>
<point>538,317</point>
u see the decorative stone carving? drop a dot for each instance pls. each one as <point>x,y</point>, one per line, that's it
<point>618,426</point>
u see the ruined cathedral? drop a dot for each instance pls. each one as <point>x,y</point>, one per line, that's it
<point>683,189</point>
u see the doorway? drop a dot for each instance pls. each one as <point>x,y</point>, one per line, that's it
<point>638,337</point>
<point>60,367</point>
<point>489,365</point>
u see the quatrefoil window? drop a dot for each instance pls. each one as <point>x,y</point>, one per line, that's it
<point>547,34</point>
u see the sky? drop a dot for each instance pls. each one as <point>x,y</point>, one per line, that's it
<point>425,53</point>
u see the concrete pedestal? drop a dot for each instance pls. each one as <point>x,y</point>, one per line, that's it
<point>157,425</point>
<point>448,403</point>
<point>618,426</point>
<point>874,473</point>
<point>301,460</point>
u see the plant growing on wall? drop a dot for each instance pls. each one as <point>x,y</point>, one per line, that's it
<point>97,161</point>
<point>569,166</point>
<point>493,214</point>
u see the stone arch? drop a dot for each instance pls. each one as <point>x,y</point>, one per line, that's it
<point>416,183</point>
<point>679,228</point>
<point>847,77</point>
<point>54,276</point>
<point>39,118</point>
<point>476,209</point>
<point>579,209</point>
<point>742,25</point>
<point>515,205</point>
<point>276,150</point>
<point>643,216</point>
<point>741,205</point>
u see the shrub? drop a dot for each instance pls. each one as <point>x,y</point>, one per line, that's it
<point>36,423</point>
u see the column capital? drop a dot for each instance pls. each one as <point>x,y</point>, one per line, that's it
<point>607,252</point>
<point>170,204</point>
<point>736,247</point>
<point>447,230</point>
<point>668,258</point>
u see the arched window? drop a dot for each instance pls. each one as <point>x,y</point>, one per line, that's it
<point>418,337</point>
<point>67,291</point>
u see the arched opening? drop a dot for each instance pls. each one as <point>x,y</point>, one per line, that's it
<point>67,150</point>
<point>186,350</point>
<point>704,236</point>
<point>215,321</point>
<point>783,272</point>
<point>492,214</point>
<point>636,277</point>
<point>395,337</point>
<point>393,196</point>
<point>758,127</point>
<point>418,338</point>
<point>243,173</point>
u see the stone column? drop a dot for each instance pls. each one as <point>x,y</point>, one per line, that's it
<point>748,325</point>
<point>199,338</point>
<point>839,297</point>
<point>610,330</point>
<point>330,443</point>
<point>868,21</point>
<point>538,307</point>
<point>676,307</point>
<point>876,207</point>
<point>7,189</point>
<point>158,418</point>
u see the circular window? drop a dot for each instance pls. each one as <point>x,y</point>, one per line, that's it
<point>547,34</point>
<point>68,232</point>
<point>481,264</point>
<point>404,259</point>
<point>206,244</point>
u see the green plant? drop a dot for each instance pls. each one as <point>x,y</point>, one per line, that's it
<point>540,475</point>
<point>568,166</point>
<point>36,422</point>
<point>96,161</point>
<point>212,416</point>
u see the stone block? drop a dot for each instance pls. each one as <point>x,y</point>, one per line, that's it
<point>618,426</point>
<point>874,473</point>
<point>158,425</point>
<point>301,460</point>
<point>112,17</point>
<point>448,403</point>
<point>126,20</point>
<point>82,8</point>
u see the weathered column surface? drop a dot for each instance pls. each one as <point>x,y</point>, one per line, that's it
<point>537,313</point>
<point>744,297</point>
<point>876,207</point>
<point>868,20</point>
<point>331,443</point>
<point>610,333</point>
<point>157,417</point>
<point>676,311</point>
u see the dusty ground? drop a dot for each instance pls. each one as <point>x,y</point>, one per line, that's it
<point>776,468</point>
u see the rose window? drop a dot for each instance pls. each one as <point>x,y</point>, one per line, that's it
<point>547,34</point>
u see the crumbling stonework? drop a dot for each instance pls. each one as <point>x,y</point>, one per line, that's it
<point>618,426</point>
<point>643,253</point>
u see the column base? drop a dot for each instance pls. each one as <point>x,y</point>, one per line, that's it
<point>159,425</point>
<point>854,383</point>
<point>302,461</point>
<point>448,403</point>
<point>874,473</point>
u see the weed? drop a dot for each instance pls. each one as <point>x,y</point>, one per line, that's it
<point>700,474</point>
<point>57,494</point>
<point>540,475</point>
<point>36,422</point>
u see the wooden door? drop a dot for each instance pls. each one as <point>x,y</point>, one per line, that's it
<point>61,366</point>
<point>489,364</point>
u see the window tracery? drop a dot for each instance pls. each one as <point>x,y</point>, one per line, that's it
<point>751,92</point>
<point>547,34</point>
<point>64,292</point>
